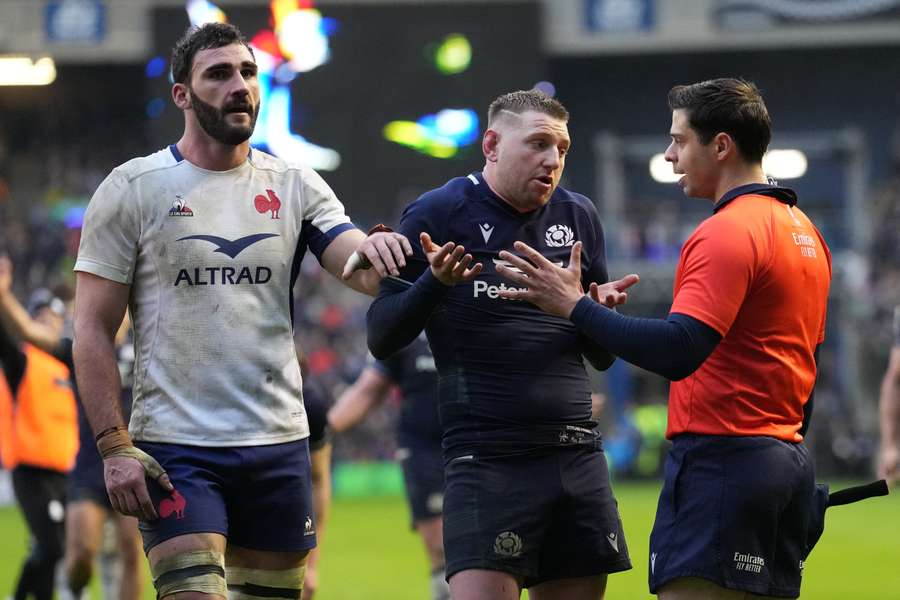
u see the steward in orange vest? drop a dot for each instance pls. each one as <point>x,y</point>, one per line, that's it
<point>39,420</point>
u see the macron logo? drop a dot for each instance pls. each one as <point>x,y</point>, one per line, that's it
<point>486,230</point>
<point>228,247</point>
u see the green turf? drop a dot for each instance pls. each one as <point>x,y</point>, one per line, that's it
<point>370,553</point>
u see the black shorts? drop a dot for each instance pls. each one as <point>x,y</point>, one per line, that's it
<point>538,516</point>
<point>423,476</point>
<point>259,497</point>
<point>86,478</point>
<point>734,511</point>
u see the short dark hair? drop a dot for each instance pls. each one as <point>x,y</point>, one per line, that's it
<point>524,100</point>
<point>727,105</point>
<point>209,35</point>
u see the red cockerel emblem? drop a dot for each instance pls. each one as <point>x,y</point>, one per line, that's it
<point>175,505</point>
<point>263,204</point>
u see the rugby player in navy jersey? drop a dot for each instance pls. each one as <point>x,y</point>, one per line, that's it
<point>412,369</point>
<point>527,501</point>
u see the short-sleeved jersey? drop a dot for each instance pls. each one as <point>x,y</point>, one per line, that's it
<point>758,272</point>
<point>412,369</point>
<point>505,367</point>
<point>211,257</point>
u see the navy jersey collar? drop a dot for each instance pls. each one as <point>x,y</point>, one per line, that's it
<point>782,194</point>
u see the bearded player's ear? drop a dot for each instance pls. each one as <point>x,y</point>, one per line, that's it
<point>181,96</point>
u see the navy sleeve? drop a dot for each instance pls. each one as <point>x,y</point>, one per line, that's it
<point>596,271</point>
<point>12,359</point>
<point>399,313</point>
<point>673,347</point>
<point>404,304</point>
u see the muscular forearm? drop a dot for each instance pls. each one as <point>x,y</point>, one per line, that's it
<point>396,318</point>
<point>99,384</point>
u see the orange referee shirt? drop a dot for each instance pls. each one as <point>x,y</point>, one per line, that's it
<point>758,272</point>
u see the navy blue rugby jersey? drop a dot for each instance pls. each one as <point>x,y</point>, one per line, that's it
<point>412,369</point>
<point>507,370</point>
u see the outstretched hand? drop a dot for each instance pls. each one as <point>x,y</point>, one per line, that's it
<point>556,289</point>
<point>612,293</point>
<point>551,288</point>
<point>449,263</point>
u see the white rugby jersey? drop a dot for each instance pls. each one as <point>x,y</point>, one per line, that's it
<point>211,257</point>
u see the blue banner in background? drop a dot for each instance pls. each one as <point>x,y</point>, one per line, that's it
<point>619,16</point>
<point>75,21</point>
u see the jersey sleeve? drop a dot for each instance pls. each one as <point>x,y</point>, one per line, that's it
<point>717,267</point>
<point>111,232</point>
<point>423,215</point>
<point>324,217</point>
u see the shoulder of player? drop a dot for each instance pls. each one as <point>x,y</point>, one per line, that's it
<point>443,200</point>
<point>144,165</point>
<point>264,161</point>
<point>579,201</point>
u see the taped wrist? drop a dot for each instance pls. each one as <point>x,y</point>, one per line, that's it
<point>191,571</point>
<point>256,584</point>
<point>117,442</point>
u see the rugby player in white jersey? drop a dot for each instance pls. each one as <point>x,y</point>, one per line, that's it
<point>203,240</point>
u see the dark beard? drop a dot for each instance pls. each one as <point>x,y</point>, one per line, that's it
<point>212,121</point>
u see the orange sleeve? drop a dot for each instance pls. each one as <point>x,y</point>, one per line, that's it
<point>717,266</point>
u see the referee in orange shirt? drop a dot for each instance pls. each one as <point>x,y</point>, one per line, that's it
<point>740,346</point>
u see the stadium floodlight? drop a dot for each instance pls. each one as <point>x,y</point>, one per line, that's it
<point>661,171</point>
<point>785,164</point>
<point>22,70</point>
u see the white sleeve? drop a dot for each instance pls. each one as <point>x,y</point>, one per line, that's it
<point>111,231</point>
<point>324,217</point>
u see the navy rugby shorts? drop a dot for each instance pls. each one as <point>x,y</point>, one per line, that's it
<point>734,511</point>
<point>258,497</point>
<point>539,516</point>
<point>423,478</point>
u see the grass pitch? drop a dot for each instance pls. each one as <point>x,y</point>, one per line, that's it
<point>369,552</point>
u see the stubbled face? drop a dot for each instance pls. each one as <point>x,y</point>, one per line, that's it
<point>224,93</point>
<point>697,162</point>
<point>529,152</point>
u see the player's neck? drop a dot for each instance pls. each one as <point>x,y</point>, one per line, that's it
<point>741,174</point>
<point>212,155</point>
